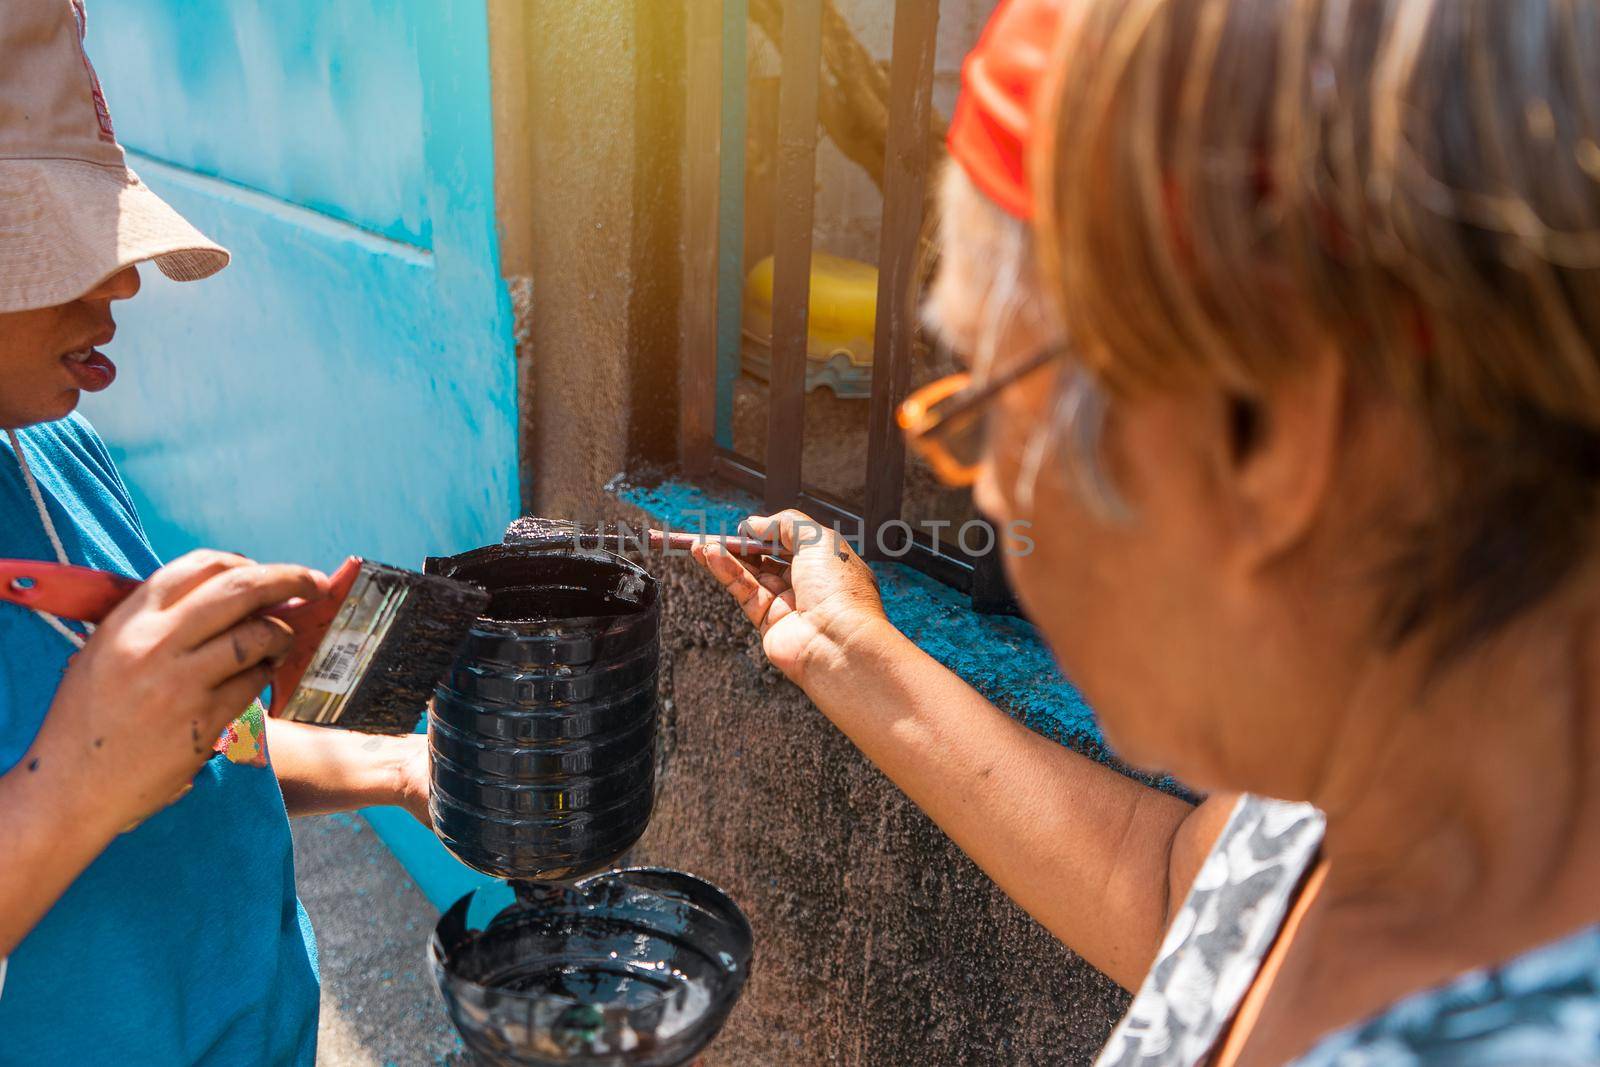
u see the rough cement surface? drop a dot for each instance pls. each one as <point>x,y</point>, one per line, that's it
<point>877,942</point>
<point>379,1006</point>
<point>576,384</point>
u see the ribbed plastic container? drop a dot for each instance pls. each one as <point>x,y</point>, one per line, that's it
<point>543,733</point>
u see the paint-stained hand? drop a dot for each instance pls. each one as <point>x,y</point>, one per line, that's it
<point>140,705</point>
<point>806,610</point>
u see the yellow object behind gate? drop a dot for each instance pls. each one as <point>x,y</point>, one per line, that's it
<point>843,315</point>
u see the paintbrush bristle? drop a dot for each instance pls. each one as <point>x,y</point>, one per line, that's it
<point>396,636</point>
<point>417,651</point>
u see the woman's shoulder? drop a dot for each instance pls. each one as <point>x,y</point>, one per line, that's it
<point>1262,855</point>
<point>1542,1008</point>
<point>1217,939</point>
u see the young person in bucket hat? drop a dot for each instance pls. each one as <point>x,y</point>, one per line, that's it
<point>147,899</point>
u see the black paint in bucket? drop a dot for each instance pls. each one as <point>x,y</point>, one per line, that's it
<point>630,968</point>
<point>543,733</point>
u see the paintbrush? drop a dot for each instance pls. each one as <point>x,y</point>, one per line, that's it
<point>365,657</point>
<point>536,532</point>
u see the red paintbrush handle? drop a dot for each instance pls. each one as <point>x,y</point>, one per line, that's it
<point>80,593</point>
<point>88,595</point>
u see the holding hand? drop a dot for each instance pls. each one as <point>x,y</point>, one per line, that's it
<point>141,704</point>
<point>807,610</point>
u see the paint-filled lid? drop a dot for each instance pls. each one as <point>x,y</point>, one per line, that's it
<point>630,968</point>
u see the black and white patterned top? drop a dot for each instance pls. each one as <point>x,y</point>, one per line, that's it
<point>1539,1010</point>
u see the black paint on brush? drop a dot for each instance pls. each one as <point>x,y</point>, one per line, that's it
<point>416,652</point>
<point>534,532</point>
<point>537,532</point>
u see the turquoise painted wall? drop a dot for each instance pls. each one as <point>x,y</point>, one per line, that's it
<point>347,386</point>
<point>321,104</point>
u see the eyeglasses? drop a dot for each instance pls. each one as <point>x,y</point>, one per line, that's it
<point>944,420</point>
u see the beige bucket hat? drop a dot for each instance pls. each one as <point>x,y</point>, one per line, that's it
<point>71,212</point>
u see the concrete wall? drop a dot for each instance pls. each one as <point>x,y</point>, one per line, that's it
<point>587,165</point>
<point>878,943</point>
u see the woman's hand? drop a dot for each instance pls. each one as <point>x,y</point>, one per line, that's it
<point>808,610</point>
<point>140,706</point>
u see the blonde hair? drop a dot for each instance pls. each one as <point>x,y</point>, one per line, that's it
<point>1230,182</point>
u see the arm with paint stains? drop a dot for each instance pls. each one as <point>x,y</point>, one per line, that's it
<point>134,718</point>
<point>1099,859</point>
<point>322,769</point>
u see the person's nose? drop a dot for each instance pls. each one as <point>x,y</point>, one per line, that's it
<point>123,285</point>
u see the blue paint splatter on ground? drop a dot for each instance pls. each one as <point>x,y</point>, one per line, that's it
<point>1001,657</point>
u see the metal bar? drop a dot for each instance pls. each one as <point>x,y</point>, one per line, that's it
<point>702,136</point>
<point>832,513</point>
<point>738,472</point>
<point>730,264</point>
<point>991,591</point>
<point>791,282</point>
<point>905,177</point>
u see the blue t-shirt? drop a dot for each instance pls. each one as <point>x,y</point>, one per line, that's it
<point>183,943</point>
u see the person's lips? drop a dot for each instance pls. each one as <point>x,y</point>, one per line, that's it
<point>91,371</point>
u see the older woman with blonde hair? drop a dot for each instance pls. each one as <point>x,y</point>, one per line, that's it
<point>1283,320</point>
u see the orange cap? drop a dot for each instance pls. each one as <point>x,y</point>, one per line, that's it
<point>998,110</point>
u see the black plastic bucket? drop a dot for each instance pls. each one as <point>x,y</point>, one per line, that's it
<point>543,733</point>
